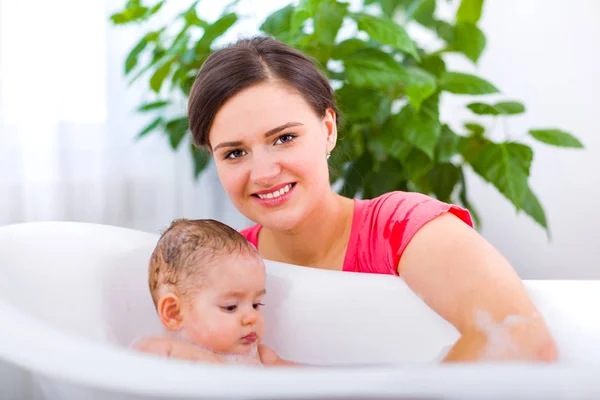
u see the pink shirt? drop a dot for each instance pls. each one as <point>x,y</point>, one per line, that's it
<point>382,228</point>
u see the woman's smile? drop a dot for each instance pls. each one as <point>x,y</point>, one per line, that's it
<point>274,196</point>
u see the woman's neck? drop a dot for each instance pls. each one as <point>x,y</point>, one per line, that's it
<point>320,241</point>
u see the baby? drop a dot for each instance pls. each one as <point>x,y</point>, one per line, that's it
<point>207,283</point>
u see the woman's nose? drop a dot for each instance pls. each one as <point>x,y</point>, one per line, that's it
<point>265,169</point>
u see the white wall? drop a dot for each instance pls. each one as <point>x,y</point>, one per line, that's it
<point>542,52</point>
<point>546,53</point>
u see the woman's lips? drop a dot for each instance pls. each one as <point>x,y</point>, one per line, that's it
<point>275,201</point>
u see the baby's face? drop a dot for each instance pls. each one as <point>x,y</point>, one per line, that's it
<point>224,315</point>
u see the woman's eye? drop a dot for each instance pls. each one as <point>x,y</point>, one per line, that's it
<point>257,305</point>
<point>288,137</point>
<point>234,154</point>
<point>229,308</point>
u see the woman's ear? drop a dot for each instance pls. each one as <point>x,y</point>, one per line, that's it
<point>330,123</point>
<point>169,309</point>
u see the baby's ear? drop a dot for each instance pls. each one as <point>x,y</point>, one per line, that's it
<point>169,311</point>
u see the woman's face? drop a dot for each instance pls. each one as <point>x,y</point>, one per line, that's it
<point>270,151</point>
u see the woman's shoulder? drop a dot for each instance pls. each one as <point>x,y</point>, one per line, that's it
<point>415,207</point>
<point>386,224</point>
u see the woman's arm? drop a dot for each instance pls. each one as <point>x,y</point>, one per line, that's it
<point>467,282</point>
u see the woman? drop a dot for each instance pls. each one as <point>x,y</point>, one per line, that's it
<point>268,117</point>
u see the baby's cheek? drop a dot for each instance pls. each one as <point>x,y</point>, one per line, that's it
<point>260,327</point>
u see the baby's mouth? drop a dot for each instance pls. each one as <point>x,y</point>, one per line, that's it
<point>251,338</point>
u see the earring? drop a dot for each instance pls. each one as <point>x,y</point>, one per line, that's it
<point>328,154</point>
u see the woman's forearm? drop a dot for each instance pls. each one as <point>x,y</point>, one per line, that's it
<point>522,342</point>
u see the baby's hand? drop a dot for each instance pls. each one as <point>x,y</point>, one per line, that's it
<point>269,358</point>
<point>179,349</point>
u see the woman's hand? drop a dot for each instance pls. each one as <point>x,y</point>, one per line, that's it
<point>179,349</point>
<point>467,282</point>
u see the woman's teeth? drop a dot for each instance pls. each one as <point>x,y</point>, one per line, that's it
<point>276,193</point>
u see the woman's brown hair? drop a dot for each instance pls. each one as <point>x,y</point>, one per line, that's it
<point>248,62</point>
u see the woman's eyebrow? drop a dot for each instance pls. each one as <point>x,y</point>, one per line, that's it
<point>270,132</point>
<point>282,127</point>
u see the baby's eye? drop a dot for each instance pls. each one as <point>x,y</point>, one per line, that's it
<point>231,155</point>
<point>286,138</point>
<point>257,305</point>
<point>229,308</point>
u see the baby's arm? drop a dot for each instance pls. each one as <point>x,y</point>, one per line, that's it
<point>269,358</point>
<point>174,348</point>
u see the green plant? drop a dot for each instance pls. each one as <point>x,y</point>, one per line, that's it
<point>388,88</point>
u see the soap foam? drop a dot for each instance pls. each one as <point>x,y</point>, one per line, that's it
<point>252,357</point>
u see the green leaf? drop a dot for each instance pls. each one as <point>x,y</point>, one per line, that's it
<point>510,107</point>
<point>483,109</point>
<point>445,31</point>
<point>531,205</point>
<point>470,146</point>
<point>299,17</point>
<point>278,22</point>
<point>421,85</point>
<point>150,127</point>
<point>443,179</point>
<point>464,199</point>
<point>386,31</point>
<point>501,108</point>
<point>176,130</point>
<point>348,47</point>
<point>130,14</point>
<point>392,138</point>
<point>462,83</point>
<point>409,127</point>
<point>423,128</point>
<point>153,105</point>
<point>191,17</point>
<point>387,178</point>
<point>159,76</point>
<point>355,173</point>
<point>135,12</point>
<point>447,145</point>
<point>469,40</point>
<point>389,7</point>
<point>505,165</point>
<point>374,68</point>
<point>474,128</point>
<point>132,58</point>
<point>213,31</point>
<point>469,11</point>
<point>328,20</point>
<point>422,11</point>
<point>434,64</point>
<point>417,164</point>
<point>156,8</point>
<point>556,137</point>
<point>200,158</point>
<point>358,103</point>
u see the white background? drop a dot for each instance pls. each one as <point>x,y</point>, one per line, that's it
<point>67,124</point>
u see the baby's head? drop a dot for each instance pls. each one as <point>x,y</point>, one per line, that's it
<point>207,283</point>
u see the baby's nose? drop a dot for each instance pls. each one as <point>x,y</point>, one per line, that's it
<point>249,317</point>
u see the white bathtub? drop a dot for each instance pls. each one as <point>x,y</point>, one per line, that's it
<point>73,296</point>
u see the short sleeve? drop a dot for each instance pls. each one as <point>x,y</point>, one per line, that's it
<point>393,219</point>
<point>251,234</point>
